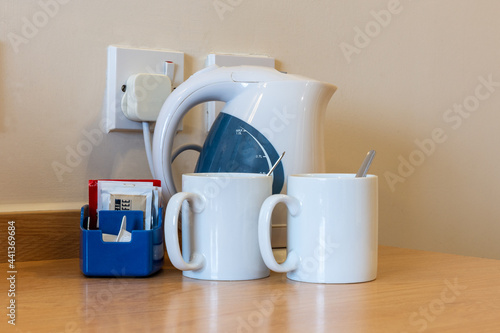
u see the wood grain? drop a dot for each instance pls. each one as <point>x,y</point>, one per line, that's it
<point>415,291</point>
<point>43,235</point>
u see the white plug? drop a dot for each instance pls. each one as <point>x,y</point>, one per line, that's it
<point>145,95</point>
<point>144,98</point>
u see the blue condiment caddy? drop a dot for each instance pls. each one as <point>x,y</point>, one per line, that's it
<point>142,256</point>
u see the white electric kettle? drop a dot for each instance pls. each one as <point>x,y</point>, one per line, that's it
<point>266,113</point>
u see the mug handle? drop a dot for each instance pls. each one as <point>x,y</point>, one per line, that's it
<point>292,259</point>
<point>171,224</point>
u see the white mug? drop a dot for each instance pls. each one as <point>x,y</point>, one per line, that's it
<point>332,228</point>
<point>219,226</point>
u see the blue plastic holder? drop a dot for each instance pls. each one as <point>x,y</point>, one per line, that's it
<point>142,256</point>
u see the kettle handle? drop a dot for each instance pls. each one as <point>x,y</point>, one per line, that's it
<point>209,84</point>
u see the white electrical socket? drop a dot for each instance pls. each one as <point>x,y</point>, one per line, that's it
<point>124,62</point>
<point>212,109</point>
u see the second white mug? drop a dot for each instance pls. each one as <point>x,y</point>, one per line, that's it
<point>332,228</point>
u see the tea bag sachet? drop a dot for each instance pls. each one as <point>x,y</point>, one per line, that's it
<point>130,196</point>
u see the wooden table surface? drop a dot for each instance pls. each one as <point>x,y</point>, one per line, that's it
<point>416,291</point>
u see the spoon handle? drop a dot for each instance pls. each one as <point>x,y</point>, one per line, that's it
<point>363,170</point>
<point>275,164</point>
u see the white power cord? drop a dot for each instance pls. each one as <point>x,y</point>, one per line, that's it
<point>147,143</point>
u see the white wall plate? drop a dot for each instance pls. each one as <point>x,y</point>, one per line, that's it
<point>212,109</point>
<point>124,62</point>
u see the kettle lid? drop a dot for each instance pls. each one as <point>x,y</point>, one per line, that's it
<point>255,74</point>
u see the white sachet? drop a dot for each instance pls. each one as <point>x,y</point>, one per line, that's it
<point>123,234</point>
<point>127,196</point>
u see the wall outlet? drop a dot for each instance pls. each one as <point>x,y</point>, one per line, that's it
<point>212,109</point>
<point>124,62</point>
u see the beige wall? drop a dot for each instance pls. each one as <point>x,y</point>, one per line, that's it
<point>395,87</point>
